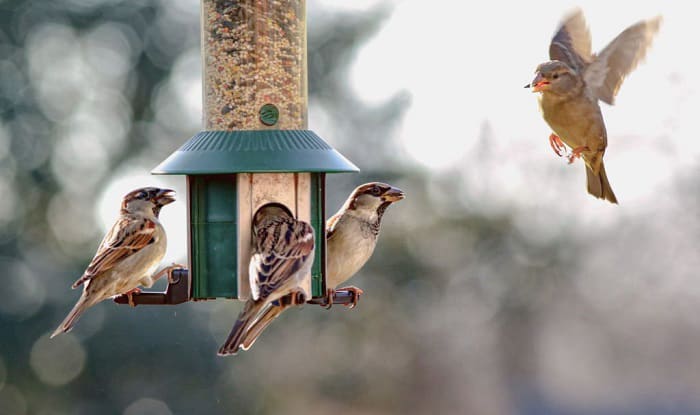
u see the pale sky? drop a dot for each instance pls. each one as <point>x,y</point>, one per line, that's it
<point>464,65</point>
<point>475,65</point>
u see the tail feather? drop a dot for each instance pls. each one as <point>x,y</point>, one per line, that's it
<point>259,325</point>
<point>67,324</point>
<point>81,280</point>
<point>598,184</point>
<point>235,337</point>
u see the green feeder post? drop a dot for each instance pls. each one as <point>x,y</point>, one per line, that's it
<point>255,148</point>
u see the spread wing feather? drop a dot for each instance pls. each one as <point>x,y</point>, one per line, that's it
<point>605,74</point>
<point>571,43</point>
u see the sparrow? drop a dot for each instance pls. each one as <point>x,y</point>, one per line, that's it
<point>127,256</point>
<point>351,236</point>
<point>574,80</point>
<point>281,262</point>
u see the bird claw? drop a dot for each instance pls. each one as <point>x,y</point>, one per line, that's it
<point>576,153</point>
<point>297,297</point>
<point>557,144</point>
<point>329,298</point>
<point>130,295</point>
<point>169,272</point>
<point>356,293</point>
<point>170,269</point>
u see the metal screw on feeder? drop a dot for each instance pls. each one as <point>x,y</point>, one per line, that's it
<point>255,149</point>
<point>269,114</point>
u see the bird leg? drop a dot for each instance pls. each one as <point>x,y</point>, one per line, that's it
<point>557,144</point>
<point>169,272</point>
<point>297,298</point>
<point>329,298</point>
<point>576,153</point>
<point>356,292</point>
<point>131,293</point>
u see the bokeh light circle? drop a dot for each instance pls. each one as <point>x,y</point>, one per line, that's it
<point>59,360</point>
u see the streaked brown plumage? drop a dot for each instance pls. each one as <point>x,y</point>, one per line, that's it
<point>127,256</point>
<point>575,79</point>
<point>351,236</point>
<point>282,260</point>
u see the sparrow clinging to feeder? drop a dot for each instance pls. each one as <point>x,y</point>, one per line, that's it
<point>282,258</point>
<point>575,79</point>
<point>351,236</point>
<point>128,255</point>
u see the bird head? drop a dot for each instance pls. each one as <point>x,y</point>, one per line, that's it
<point>268,212</point>
<point>554,77</point>
<point>147,199</point>
<point>370,200</point>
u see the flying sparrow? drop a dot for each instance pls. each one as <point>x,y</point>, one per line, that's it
<point>351,236</point>
<point>282,260</point>
<point>127,256</point>
<point>575,79</point>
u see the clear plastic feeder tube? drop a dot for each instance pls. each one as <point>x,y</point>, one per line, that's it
<point>254,64</point>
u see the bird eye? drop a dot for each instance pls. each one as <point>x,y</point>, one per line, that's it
<point>555,76</point>
<point>376,191</point>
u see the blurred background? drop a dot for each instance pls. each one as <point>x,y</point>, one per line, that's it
<point>498,286</point>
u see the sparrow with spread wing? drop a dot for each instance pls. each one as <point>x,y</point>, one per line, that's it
<point>575,79</point>
<point>282,260</point>
<point>128,255</point>
<point>351,236</point>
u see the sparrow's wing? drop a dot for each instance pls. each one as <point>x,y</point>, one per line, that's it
<point>128,236</point>
<point>282,248</point>
<point>330,225</point>
<point>572,42</point>
<point>609,68</point>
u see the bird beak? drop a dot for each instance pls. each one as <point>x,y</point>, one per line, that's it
<point>539,83</point>
<point>393,195</point>
<point>165,196</point>
<point>527,85</point>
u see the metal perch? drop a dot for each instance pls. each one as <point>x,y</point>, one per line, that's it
<point>178,289</point>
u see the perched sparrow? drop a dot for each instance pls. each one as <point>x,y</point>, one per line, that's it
<point>575,79</point>
<point>282,259</point>
<point>128,254</point>
<point>351,236</point>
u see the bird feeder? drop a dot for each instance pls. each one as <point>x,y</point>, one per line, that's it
<point>255,148</point>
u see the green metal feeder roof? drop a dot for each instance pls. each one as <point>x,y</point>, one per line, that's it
<point>255,151</point>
